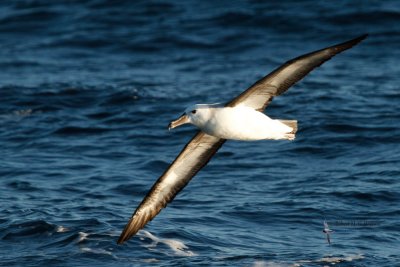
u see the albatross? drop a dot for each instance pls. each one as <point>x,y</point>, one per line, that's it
<point>240,119</point>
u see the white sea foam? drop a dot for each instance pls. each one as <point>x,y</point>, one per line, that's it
<point>151,260</point>
<point>342,259</point>
<point>61,229</point>
<point>23,112</point>
<point>177,246</point>
<point>96,251</point>
<point>18,115</point>
<point>335,259</point>
<point>331,260</point>
<point>262,263</point>
<point>82,236</point>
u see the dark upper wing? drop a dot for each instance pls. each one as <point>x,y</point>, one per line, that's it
<point>328,238</point>
<point>277,82</point>
<point>192,158</point>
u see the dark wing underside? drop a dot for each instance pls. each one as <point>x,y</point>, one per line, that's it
<point>192,158</point>
<point>277,82</point>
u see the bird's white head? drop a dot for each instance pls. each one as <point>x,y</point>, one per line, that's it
<point>196,114</point>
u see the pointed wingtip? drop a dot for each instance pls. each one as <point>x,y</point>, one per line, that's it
<point>348,44</point>
<point>365,35</point>
<point>358,39</point>
<point>122,238</point>
<point>361,37</point>
<point>127,233</point>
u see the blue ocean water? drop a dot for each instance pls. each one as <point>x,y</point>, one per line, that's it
<point>87,89</point>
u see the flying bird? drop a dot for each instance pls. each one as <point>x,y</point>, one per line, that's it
<point>240,119</point>
<point>327,231</point>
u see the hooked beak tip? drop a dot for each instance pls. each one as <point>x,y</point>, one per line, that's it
<point>182,120</point>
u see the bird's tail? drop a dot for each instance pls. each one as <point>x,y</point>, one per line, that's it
<point>292,124</point>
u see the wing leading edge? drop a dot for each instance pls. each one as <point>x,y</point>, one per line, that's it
<point>192,158</point>
<point>277,82</point>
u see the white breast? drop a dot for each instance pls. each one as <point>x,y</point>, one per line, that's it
<point>244,123</point>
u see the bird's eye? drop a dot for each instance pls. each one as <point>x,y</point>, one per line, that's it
<point>194,111</point>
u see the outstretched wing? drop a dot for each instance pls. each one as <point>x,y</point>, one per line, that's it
<point>328,238</point>
<point>192,158</point>
<point>202,147</point>
<point>277,82</point>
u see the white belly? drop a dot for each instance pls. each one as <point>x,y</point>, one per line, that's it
<point>244,123</point>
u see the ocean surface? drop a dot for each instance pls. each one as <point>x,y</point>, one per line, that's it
<point>87,89</point>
